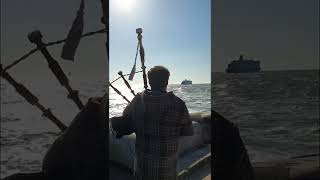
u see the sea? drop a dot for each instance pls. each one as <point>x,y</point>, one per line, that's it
<point>196,96</point>
<point>277,114</point>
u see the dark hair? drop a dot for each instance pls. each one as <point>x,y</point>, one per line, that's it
<point>158,77</point>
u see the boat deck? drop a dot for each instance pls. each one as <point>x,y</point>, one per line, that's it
<point>295,169</point>
<point>194,165</point>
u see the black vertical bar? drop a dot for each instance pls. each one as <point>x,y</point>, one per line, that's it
<point>105,21</point>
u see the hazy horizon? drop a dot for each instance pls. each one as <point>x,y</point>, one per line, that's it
<point>268,70</point>
<point>287,38</point>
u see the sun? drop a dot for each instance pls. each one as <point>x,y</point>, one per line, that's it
<point>125,5</point>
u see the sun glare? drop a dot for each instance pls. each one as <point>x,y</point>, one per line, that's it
<point>125,5</point>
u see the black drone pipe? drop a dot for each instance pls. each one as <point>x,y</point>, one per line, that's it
<point>142,54</point>
<point>31,98</point>
<point>36,38</point>
<point>126,82</point>
<point>118,92</point>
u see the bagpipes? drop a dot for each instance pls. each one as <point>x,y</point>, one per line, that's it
<point>105,21</point>
<point>70,45</point>
<point>68,52</point>
<point>125,125</point>
<point>140,48</point>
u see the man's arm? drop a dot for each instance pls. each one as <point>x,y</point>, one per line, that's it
<point>186,123</point>
<point>121,126</point>
<point>128,110</point>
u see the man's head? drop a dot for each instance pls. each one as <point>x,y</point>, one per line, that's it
<point>158,77</point>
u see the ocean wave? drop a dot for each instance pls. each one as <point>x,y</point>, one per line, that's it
<point>6,119</point>
<point>12,102</point>
<point>277,112</point>
<point>277,130</point>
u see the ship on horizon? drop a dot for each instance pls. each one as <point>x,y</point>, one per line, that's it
<point>186,81</point>
<point>243,66</point>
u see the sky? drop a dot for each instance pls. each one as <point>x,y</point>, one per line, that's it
<point>281,34</point>
<point>176,34</point>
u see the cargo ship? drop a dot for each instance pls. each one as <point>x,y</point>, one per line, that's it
<point>243,66</point>
<point>186,82</point>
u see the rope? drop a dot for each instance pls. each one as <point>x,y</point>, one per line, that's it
<point>124,75</point>
<point>49,44</point>
<point>303,156</point>
<point>117,91</point>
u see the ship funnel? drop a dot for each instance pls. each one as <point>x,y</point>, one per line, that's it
<point>241,57</point>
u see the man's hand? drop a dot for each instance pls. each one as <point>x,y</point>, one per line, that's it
<point>99,104</point>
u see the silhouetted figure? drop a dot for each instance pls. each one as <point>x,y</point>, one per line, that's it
<point>27,176</point>
<point>231,161</point>
<point>158,118</point>
<point>80,151</point>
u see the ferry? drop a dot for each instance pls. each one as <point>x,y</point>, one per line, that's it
<point>243,66</point>
<point>184,82</point>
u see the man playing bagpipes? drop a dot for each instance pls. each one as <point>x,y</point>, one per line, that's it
<point>159,119</point>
